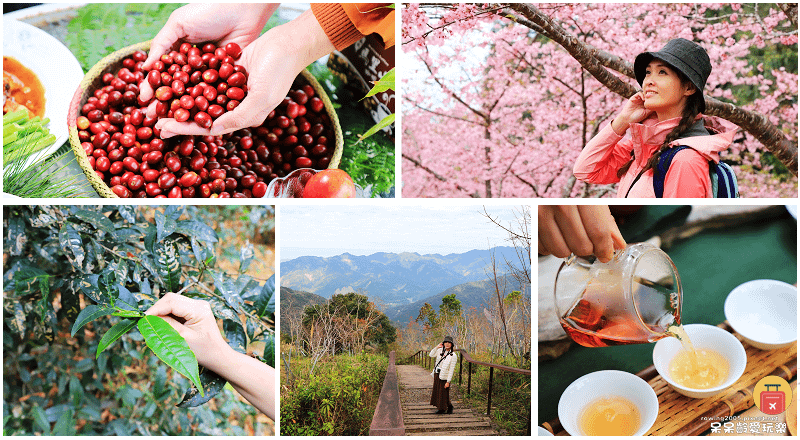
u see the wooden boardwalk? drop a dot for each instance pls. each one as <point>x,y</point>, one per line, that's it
<point>419,416</point>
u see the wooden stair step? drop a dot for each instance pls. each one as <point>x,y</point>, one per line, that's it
<point>459,424</point>
<point>484,432</point>
<point>455,415</point>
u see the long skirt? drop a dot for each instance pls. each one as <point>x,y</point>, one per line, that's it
<point>440,397</point>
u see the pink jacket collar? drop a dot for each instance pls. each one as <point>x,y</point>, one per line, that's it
<point>648,135</point>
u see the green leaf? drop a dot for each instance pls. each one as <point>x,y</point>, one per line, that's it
<point>70,240</point>
<point>174,211</point>
<point>235,334</point>
<point>246,256</point>
<point>197,230</point>
<point>28,278</point>
<point>75,391</point>
<point>89,314</point>
<point>265,302</point>
<point>385,83</point>
<point>165,226</point>
<point>89,285</point>
<point>269,349</point>
<point>170,347</point>
<point>96,219</point>
<point>127,213</point>
<point>115,333</point>
<point>213,384</point>
<point>168,264</point>
<point>40,419</point>
<point>126,300</point>
<point>128,314</point>
<point>230,290</point>
<point>385,122</point>
<point>65,425</point>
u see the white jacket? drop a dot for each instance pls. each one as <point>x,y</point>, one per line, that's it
<point>447,366</point>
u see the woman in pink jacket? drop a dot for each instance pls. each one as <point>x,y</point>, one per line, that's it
<point>665,113</point>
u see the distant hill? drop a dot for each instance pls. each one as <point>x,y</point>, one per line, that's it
<point>395,279</point>
<point>473,294</point>
<point>294,301</point>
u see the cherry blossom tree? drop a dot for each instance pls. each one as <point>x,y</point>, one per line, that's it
<point>501,98</point>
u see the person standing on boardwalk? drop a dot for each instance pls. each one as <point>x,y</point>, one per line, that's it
<point>443,370</point>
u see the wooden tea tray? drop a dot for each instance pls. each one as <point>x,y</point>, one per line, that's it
<point>681,415</point>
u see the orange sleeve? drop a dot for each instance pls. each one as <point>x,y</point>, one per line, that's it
<point>346,23</point>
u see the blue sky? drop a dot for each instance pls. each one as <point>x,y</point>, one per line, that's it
<point>326,231</point>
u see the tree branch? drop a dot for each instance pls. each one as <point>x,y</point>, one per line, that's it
<point>590,59</point>
<point>436,175</point>
<point>790,10</point>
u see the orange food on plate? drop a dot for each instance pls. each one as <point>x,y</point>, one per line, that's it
<point>21,88</point>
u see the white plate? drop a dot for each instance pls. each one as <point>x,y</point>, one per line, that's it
<point>792,210</point>
<point>56,67</point>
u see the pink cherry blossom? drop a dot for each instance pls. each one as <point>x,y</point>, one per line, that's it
<point>492,109</point>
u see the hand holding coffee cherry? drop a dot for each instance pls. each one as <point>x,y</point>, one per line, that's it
<point>271,62</point>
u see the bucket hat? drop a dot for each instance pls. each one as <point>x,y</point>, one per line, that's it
<point>449,339</point>
<point>685,56</point>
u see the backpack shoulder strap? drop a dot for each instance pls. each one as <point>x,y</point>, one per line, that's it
<point>660,171</point>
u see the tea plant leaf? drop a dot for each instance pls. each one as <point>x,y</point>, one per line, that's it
<point>228,289</point>
<point>28,278</point>
<point>96,219</point>
<point>246,256</point>
<point>16,237</point>
<point>269,349</point>
<point>165,226</point>
<point>385,83</point>
<point>70,240</point>
<point>168,264</point>
<point>89,314</point>
<point>89,285</point>
<point>170,347</point>
<point>40,418</point>
<point>126,300</point>
<point>197,230</point>
<point>235,334</point>
<point>174,211</point>
<point>65,425</point>
<point>127,213</point>
<point>265,302</point>
<point>115,333</point>
<point>213,384</point>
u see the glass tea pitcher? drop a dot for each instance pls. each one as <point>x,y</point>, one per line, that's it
<point>632,299</point>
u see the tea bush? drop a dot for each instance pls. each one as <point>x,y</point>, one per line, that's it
<point>92,269</point>
<point>339,399</point>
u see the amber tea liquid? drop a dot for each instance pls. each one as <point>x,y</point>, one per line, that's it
<point>699,369</point>
<point>609,416</point>
<point>602,317</point>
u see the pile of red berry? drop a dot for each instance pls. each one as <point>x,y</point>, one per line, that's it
<point>198,83</point>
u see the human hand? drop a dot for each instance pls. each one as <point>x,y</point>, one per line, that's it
<point>195,23</point>
<point>272,61</point>
<point>632,111</point>
<point>195,322</point>
<point>582,230</point>
<point>440,345</point>
<point>447,385</point>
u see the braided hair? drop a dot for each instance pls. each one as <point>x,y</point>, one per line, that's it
<point>690,111</point>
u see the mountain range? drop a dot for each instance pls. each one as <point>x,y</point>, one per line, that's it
<point>400,282</point>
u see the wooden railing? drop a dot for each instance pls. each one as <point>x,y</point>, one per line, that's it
<point>427,363</point>
<point>388,416</point>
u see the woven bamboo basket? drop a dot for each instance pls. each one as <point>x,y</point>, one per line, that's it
<point>111,63</point>
<point>681,415</point>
